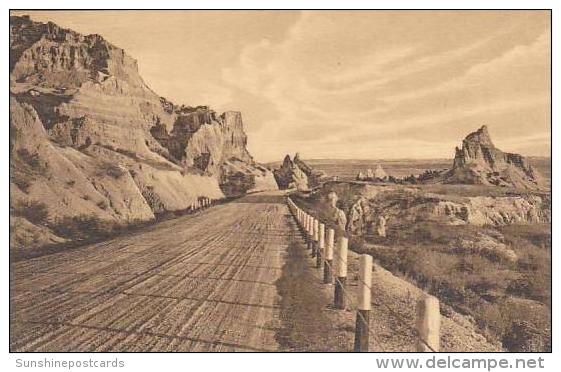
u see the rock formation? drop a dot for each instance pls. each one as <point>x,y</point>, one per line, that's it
<point>89,137</point>
<point>334,216</point>
<point>295,173</point>
<point>478,161</point>
<point>381,226</point>
<point>359,217</point>
<point>380,173</point>
<point>372,175</point>
<point>290,176</point>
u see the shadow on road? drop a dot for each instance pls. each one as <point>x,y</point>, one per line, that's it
<point>307,324</point>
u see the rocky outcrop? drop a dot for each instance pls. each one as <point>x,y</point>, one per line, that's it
<point>360,217</point>
<point>89,137</point>
<point>407,206</point>
<point>295,173</point>
<point>485,245</point>
<point>291,176</point>
<point>495,211</point>
<point>478,161</point>
<point>379,174</point>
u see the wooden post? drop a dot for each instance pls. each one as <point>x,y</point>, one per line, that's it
<point>310,232</point>
<point>341,268</point>
<point>364,304</point>
<point>320,245</point>
<point>315,236</point>
<point>327,275</point>
<point>428,324</point>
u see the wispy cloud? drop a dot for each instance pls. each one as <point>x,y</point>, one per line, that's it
<point>361,96</point>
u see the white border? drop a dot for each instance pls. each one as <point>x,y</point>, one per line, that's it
<point>269,362</point>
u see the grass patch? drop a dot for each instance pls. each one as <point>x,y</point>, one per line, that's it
<point>33,211</point>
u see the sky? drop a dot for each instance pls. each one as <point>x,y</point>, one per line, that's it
<point>347,84</point>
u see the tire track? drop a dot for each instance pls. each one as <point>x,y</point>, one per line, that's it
<point>197,283</point>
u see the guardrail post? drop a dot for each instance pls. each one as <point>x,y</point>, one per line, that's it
<point>320,245</point>
<point>310,231</point>
<point>340,281</point>
<point>327,274</point>
<point>428,324</point>
<point>364,304</point>
<point>315,236</point>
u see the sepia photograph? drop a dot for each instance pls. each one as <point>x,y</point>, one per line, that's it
<point>280,181</point>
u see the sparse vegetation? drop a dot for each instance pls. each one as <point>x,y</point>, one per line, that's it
<point>500,278</point>
<point>33,211</point>
<point>103,204</point>
<point>474,283</point>
<point>112,170</point>
<point>22,183</point>
<point>30,159</point>
<point>82,227</point>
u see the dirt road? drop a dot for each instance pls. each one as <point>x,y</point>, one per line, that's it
<point>235,277</point>
<point>206,282</point>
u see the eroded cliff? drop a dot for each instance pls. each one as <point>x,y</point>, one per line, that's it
<point>88,137</point>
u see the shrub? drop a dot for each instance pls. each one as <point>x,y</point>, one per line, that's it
<point>33,211</point>
<point>22,183</point>
<point>82,227</point>
<point>103,204</point>
<point>112,170</point>
<point>30,159</point>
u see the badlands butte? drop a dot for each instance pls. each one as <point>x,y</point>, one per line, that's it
<point>95,152</point>
<point>90,142</point>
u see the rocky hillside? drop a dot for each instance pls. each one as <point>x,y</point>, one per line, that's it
<point>89,138</point>
<point>478,161</point>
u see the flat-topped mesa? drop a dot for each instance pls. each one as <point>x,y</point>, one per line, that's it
<point>478,161</point>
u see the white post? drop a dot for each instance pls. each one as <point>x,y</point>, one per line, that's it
<point>320,245</point>
<point>329,245</point>
<point>341,271</point>
<point>362,328</point>
<point>342,251</point>
<point>365,275</point>
<point>428,324</point>
<point>316,230</point>
<point>315,236</point>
